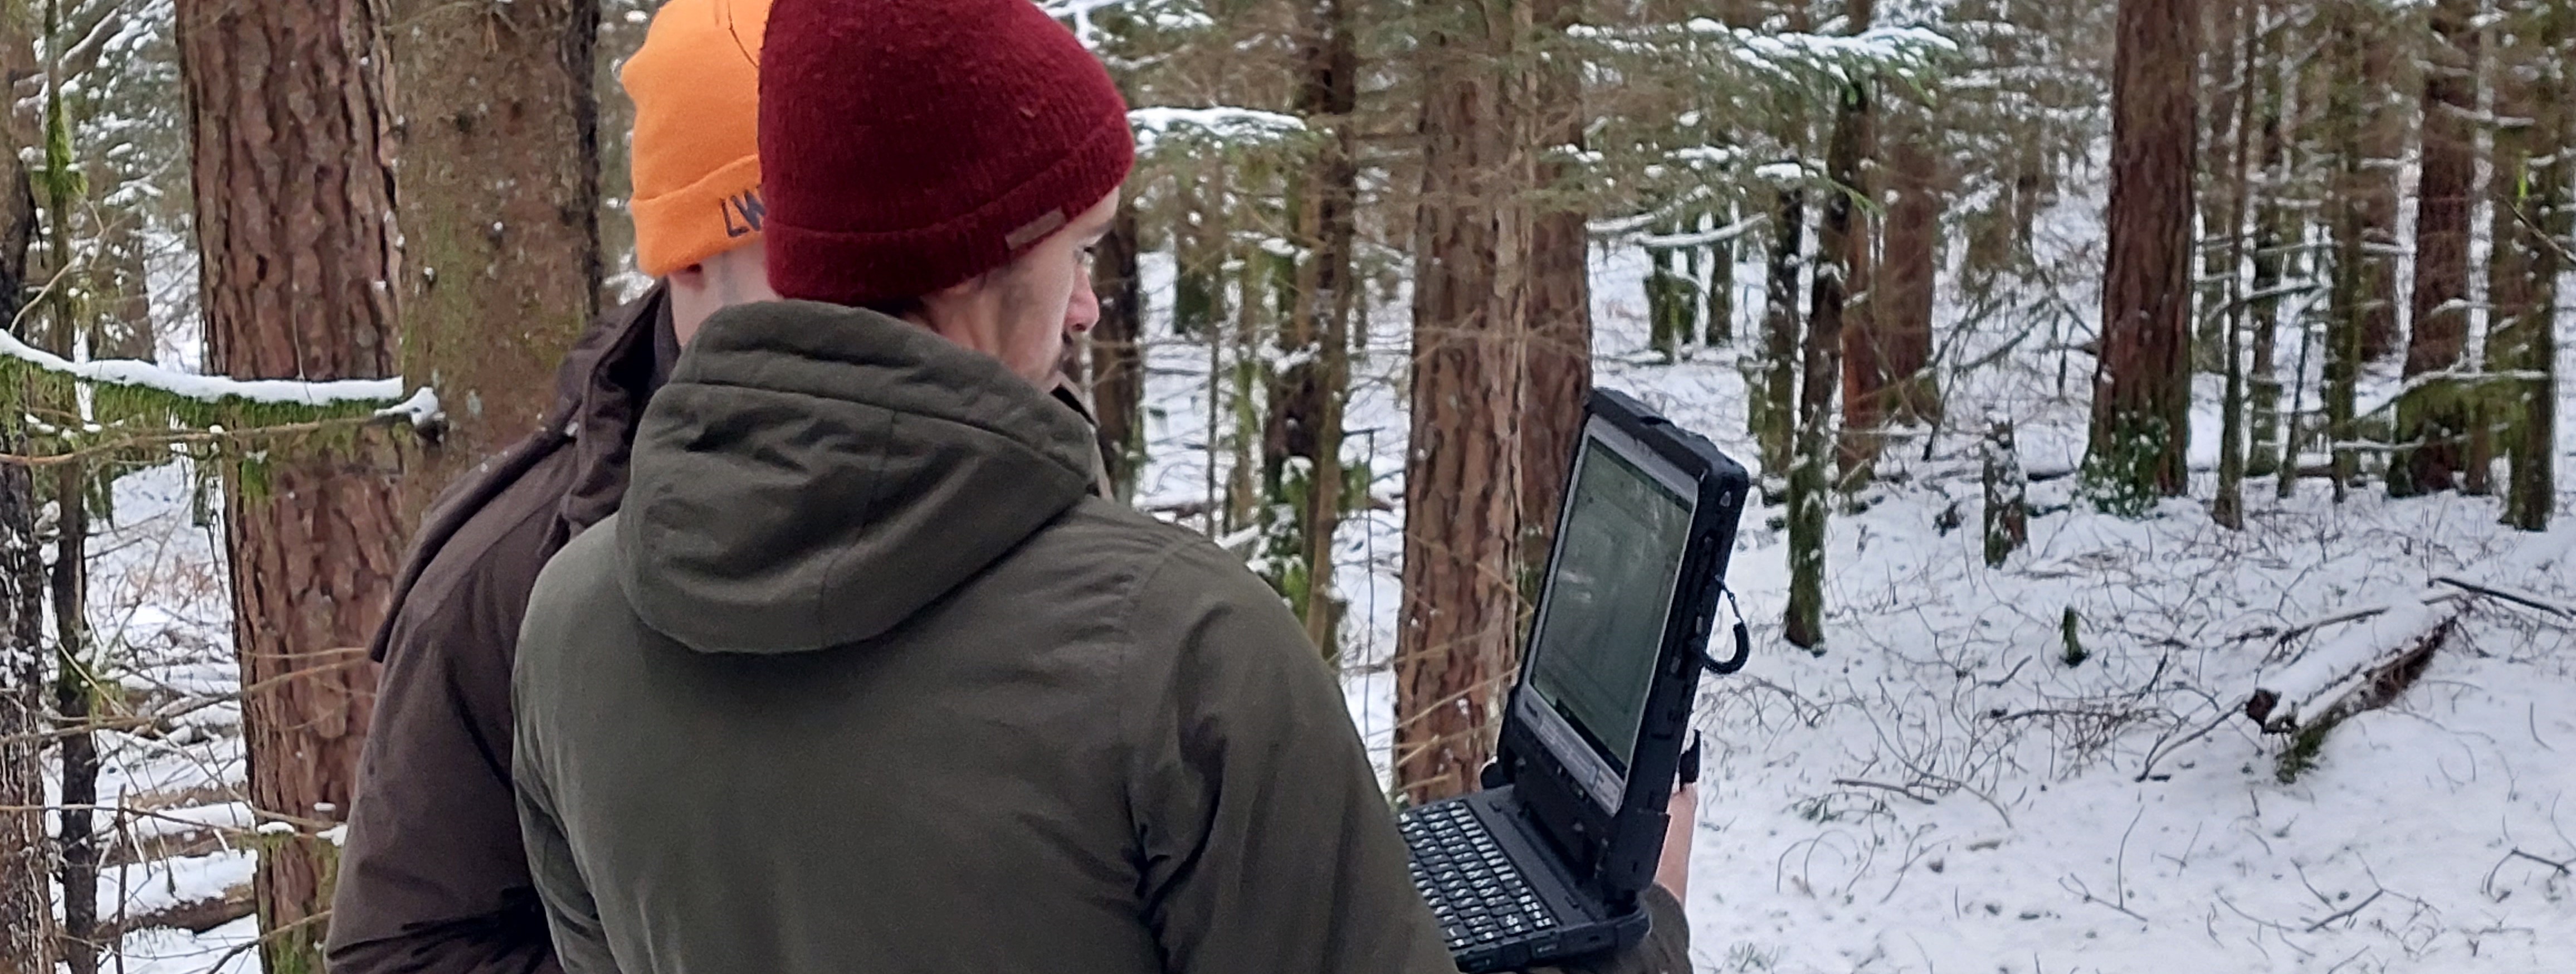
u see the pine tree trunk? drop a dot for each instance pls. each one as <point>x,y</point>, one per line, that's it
<point>1306,404</point>
<point>1720,328</point>
<point>2356,298</point>
<point>2228,507</point>
<point>499,191</point>
<point>1909,265</point>
<point>311,537</point>
<point>2274,231</point>
<point>1117,362</point>
<point>1775,408</point>
<point>1808,487</point>
<point>1559,357</point>
<point>2382,145</point>
<point>1777,405</point>
<point>26,901</point>
<point>75,842</point>
<point>1866,378</point>
<point>2534,227</point>
<point>26,914</point>
<point>2433,419</point>
<point>2142,389</point>
<point>1457,645</point>
<point>2221,77</point>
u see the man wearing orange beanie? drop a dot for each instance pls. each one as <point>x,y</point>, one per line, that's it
<point>432,879</point>
<point>863,677</point>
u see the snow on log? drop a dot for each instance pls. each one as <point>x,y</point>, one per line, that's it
<point>2376,655</point>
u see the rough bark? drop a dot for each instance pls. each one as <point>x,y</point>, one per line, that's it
<point>1307,400</point>
<point>26,914</point>
<point>1775,412</point>
<point>2275,229</point>
<point>1559,357</point>
<point>75,840</point>
<point>1776,408</point>
<point>2355,300</point>
<point>2534,228</point>
<point>294,205</point>
<point>1867,379</point>
<point>1117,362</point>
<point>499,191</point>
<point>2142,386</point>
<point>2381,117</point>
<point>2228,507</point>
<point>1808,486</point>
<point>1456,645</point>
<point>1909,261</point>
<point>2433,420</point>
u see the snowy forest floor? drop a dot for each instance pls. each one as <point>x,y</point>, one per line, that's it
<point>1937,791</point>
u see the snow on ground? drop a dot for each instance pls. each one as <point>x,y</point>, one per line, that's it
<point>1939,791</point>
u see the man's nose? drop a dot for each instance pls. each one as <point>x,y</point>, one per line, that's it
<point>1084,311</point>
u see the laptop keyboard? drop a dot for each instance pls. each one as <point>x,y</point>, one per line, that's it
<point>1470,883</point>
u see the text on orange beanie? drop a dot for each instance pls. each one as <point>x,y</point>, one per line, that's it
<point>696,156</point>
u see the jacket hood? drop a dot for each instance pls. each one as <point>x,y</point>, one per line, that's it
<point>814,475</point>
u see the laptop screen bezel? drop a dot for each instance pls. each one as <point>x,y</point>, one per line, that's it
<point>1571,748</point>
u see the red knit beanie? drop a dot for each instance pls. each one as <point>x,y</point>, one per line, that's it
<point>910,145</point>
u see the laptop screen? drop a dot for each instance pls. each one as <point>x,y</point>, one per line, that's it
<point>1610,588</point>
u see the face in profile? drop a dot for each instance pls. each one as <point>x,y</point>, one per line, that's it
<point>1026,312</point>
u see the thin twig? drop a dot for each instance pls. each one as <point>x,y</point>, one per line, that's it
<point>2356,908</point>
<point>1899,789</point>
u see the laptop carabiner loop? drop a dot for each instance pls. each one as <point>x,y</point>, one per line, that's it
<point>1743,641</point>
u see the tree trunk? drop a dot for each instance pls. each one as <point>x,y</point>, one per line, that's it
<point>76,845</point>
<point>1867,380</point>
<point>1776,405</point>
<point>26,901</point>
<point>26,914</point>
<point>2534,227</point>
<point>2433,419</point>
<point>288,130</point>
<point>1719,293</point>
<point>2142,389</point>
<point>1808,488</point>
<point>1306,403</point>
<point>1117,362</point>
<point>75,680</point>
<point>2356,298</point>
<point>1909,263</point>
<point>1457,646</point>
<point>499,191</point>
<point>2228,507</point>
<point>2381,146</point>
<point>2221,77</point>
<point>1559,357</point>
<point>2275,229</point>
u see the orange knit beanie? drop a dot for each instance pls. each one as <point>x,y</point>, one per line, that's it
<point>696,152</point>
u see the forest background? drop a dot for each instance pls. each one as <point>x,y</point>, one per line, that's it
<point>2155,400</point>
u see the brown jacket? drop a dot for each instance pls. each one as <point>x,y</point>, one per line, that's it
<point>432,878</point>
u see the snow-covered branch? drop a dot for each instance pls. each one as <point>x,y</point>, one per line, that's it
<point>216,388</point>
<point>1220,124</point>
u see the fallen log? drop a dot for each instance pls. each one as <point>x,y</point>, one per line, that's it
<point>193,916</point>
<point>2363,667</point>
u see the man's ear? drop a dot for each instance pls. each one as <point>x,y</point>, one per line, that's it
<point>693,277</point>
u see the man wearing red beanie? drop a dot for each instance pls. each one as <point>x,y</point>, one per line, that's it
<point>862,677</point>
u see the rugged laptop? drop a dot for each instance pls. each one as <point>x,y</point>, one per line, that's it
<point>1547,862</point>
